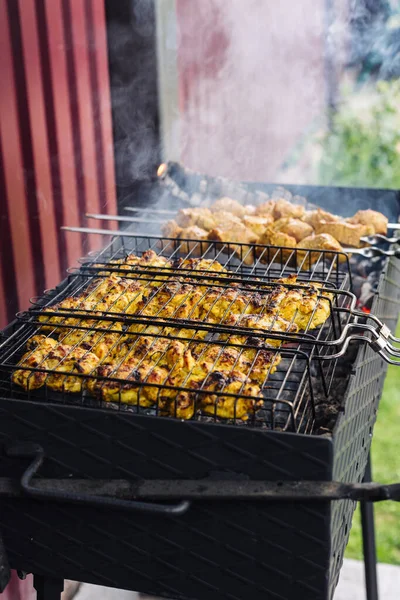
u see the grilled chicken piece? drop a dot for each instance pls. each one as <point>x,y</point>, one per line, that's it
<point>222,217</point>
<point>140,264</point>
<point>200,217</point>
<point>183,405</point>
<point>256,364</point>
<point>197,234</point>
<point>133,372</point>
<point>302,306</point>
<point>314,217</point>
<point>218,303</point>
<point>284,208</point>
<point>268,321</point>
<point>39,348</point>
<point>231,233</point>
<point>271,237</point>
<point>295,228</point>
<point>171,229</point>
<point>174,299</point>
<point>345,233</point>
<point>55,357</point>
<point>96,337</point>
<point>201,264</point>
<point>41,341</point>
<point>266,209</point>
<point>228,205</point>
<point>372,218</point>
<point>323,241</point>
<point>118,294</point>
<point>76,306</point>
<point>257,224</point>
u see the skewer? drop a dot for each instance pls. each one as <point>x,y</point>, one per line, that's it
<point>122,218</point>
<point>107,232</point>
<point>157,211</point>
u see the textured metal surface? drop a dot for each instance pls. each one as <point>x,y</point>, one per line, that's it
<point>354,429</point>
<point>214,551</point>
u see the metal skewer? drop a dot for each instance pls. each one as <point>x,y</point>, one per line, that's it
<point>111,232</point>
<point>122,218</point>
<point>372,251</point>
<point>157,211</point>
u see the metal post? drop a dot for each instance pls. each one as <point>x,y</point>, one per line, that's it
<point>48,588</point>
<point>369,546</point>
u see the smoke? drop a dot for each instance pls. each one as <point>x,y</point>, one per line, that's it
<point>254,77</point>
<point>131,35</point>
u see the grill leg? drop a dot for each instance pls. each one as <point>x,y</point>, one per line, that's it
<point>48,588</point>
<point>369,546</point>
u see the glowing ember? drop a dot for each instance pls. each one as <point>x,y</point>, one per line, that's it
<point>162,170</point>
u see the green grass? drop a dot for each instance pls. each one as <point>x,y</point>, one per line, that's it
<point>385,469</point>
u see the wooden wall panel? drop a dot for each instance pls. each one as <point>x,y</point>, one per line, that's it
<point>56,149</point>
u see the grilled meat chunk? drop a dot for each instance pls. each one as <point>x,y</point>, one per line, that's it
<point>371,218</point>
<point>345,233</point>
<point>323,241</point>
<point>257,224</point>
<point>284,208</point>
<point>171,229</point>
<point>314,217</point>
<point>294,228</point>
<point>228,205</point>
<point>63,360</point>
<point>199,217</point>
<point>133,373</point>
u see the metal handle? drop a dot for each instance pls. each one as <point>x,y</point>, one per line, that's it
<point>378,238</point>
<point>114,493</point>
<point>76,496</point>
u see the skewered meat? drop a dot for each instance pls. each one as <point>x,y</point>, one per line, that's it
<point>323,241</point>
<point>272,237</point>
<point>229,233</point>
<point>200,217</point>
<point>315,217</point>
<point>257,224</point>
<point>293,227</point>
<point>266,208</point>
<point>345,233</point>
<point>228,205</point>
<point>372,218</point>
<point>171,229</point>
<point>284,208</point>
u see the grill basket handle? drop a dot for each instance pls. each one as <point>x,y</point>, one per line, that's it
<point>37,454</point>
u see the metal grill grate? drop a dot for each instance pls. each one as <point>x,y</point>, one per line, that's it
<point>280,361</point>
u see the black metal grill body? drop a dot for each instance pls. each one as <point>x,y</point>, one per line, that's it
<point>216,550</point>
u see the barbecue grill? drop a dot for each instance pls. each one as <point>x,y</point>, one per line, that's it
<point>121,495</point>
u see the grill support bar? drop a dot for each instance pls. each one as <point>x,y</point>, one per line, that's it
<point>139,495</point>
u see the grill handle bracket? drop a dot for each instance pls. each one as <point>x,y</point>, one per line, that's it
<point>88,494</point>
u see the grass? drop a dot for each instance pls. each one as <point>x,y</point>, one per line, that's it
<point>385,469</point>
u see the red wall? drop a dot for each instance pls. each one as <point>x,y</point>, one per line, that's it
<point>56,151</point>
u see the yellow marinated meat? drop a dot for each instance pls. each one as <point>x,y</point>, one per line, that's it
<point>141,364</point>
<point>63,359</point>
